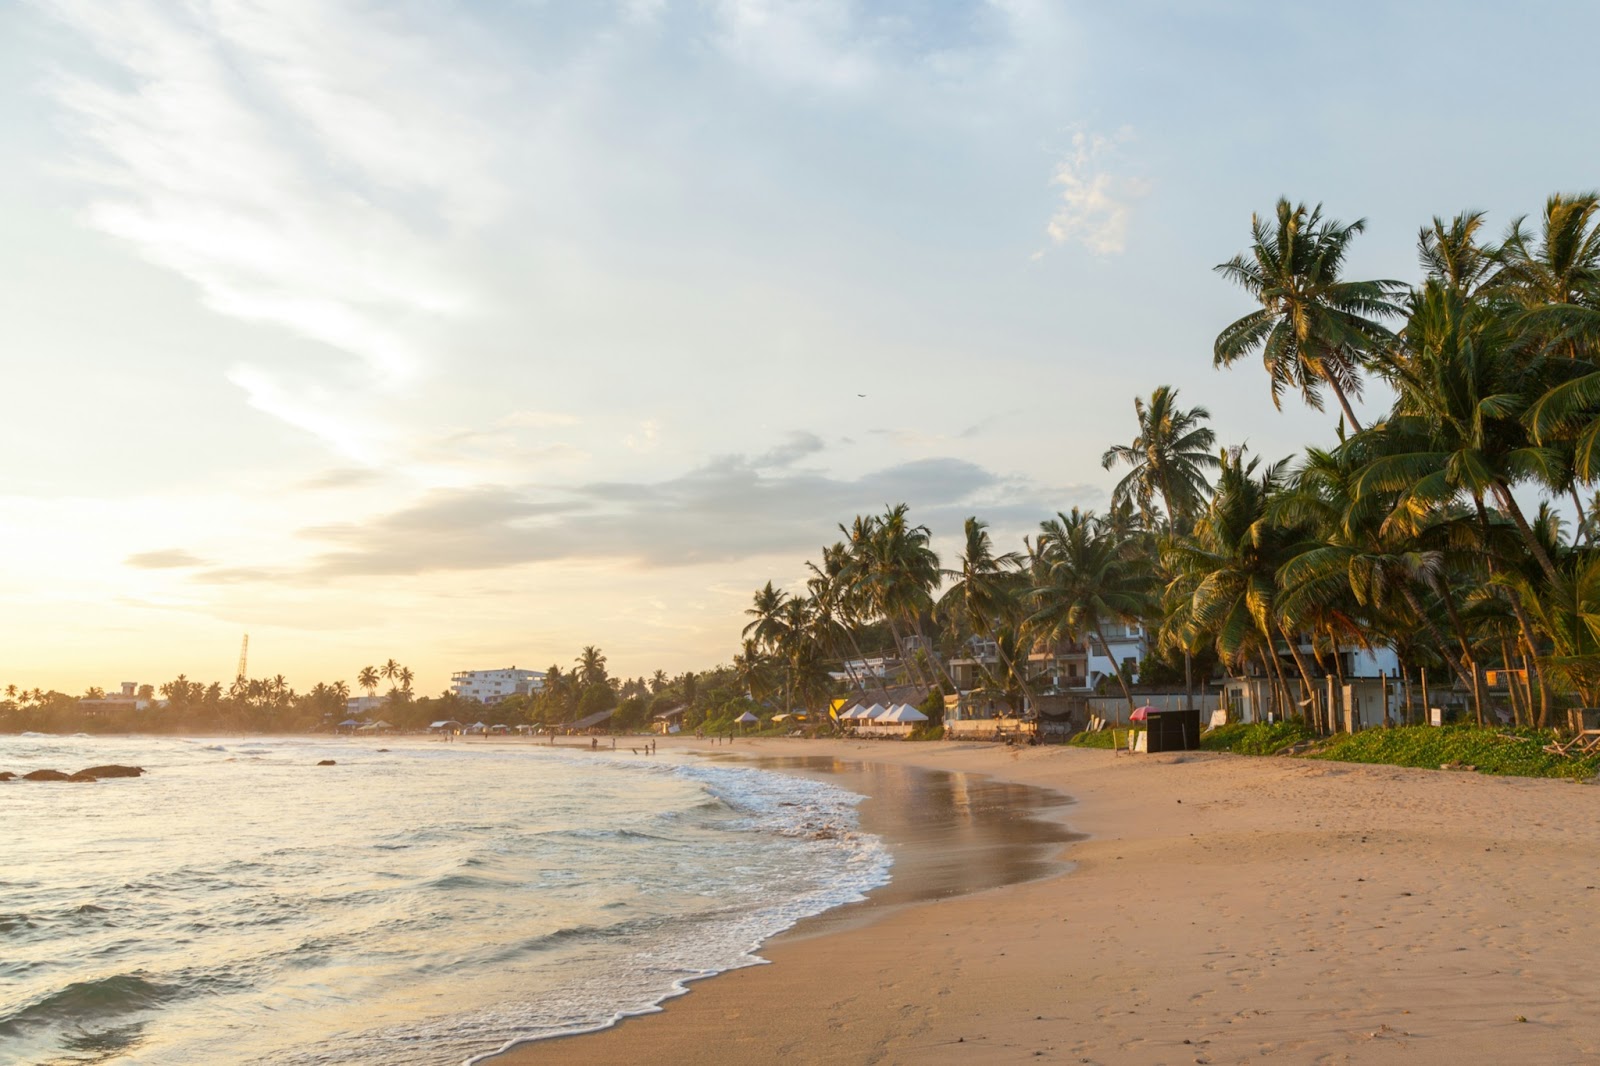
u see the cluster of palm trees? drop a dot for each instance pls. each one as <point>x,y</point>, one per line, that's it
<point>1434,531</point>
<point>398,676</point>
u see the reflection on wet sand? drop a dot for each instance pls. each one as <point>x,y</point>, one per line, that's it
<point>951,833</point>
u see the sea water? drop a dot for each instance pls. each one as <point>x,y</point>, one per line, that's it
<point>429,903</point>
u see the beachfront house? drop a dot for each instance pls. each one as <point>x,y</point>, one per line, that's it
<point>492,686</point>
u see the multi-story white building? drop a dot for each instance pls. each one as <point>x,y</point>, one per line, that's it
<point>492,686</point>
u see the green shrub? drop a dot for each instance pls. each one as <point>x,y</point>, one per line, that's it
<point>1255,738</point>
<point>1512,752</point>
<point>927,731</point>
<point>1105,738</point>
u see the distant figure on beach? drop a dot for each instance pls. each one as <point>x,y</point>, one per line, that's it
<point>594,743</point>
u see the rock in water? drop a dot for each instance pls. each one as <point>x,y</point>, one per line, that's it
<point>113,771</point>
<point>6,775</point>
<point>327,762</point>
<point>83,775</point>
<point>44,775</point>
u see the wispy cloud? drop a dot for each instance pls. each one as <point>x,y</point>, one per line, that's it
<point>728,509</point>
<point>1096,202</point>
<point>164,559</point>
<point>292,160</point>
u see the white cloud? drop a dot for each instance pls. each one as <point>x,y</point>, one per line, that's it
<point>301,162</point>
<point>816,42</point>
<point>1095,202</point>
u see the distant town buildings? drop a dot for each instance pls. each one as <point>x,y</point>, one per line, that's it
<point>130,699</point>
<point>492,686</point>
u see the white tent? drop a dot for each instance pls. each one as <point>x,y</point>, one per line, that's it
<point>747,717</point>
<point>903,713</point>
<point>875,711</point>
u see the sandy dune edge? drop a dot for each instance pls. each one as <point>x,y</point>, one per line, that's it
<point>1224,910</point>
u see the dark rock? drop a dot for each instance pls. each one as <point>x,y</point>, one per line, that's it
<point>83,775</point>
<point>327,762</point>
<point>6,775</point>
<point>44,775</point>
<point>113,771</point>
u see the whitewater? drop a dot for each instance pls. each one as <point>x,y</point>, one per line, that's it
<point>428,903</point>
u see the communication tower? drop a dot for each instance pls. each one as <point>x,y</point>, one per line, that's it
<point>244,657</point>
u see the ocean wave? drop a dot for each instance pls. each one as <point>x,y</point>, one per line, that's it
<point>83,1003</point>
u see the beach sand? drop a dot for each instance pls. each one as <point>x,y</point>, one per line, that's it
<point>1220,910</point>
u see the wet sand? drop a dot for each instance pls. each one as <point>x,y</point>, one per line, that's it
<point>1220,909</point>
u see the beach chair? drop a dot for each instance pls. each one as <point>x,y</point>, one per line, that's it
<point>1585,739</point>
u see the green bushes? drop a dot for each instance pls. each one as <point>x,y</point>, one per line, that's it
<point>1256,738</point>
<point>1516,753</point>
<point>1507,752</point>
<point>1105,738</point>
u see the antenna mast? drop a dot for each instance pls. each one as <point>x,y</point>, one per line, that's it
<point>244,657</point>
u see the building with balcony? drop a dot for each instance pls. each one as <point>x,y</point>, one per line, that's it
<point>492,686</point>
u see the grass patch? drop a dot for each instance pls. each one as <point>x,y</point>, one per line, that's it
<point>1514,753</point>
<point>1256,738</point>
<point>1105,738</point>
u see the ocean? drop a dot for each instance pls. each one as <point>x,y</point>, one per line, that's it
<point>431,903</point>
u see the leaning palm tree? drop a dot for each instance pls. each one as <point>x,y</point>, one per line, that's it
<point>1313,329</point>
<point>1168,458</point>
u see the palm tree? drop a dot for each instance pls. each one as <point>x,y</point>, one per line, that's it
<point>1088,579</point>
<point>1457,429</point>
<point>1168,458</point>
<point>391,671</point>
<point>591,666</point>
<point>367,678</point>
<point>903,571</point>
<point>406,677</point>
<point>1313,328</point>
<point>985,596</point>
<point>1229,567</point>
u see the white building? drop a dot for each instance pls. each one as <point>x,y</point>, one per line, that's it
<point>359,705</point>
<point>492,686</point>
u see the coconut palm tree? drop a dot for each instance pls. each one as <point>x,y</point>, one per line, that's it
<point>391,672</point>
<point>985,596</point>
<point>591,662</point>
<point>367,678</point>
<point>1168,458</point>
<point>1456,431</point>
<point>1313,328</point>
<point>1087,579</point>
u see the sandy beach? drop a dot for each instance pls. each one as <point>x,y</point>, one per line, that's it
<point>1219,909</point>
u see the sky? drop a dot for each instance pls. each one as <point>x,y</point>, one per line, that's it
<point>467,334</point>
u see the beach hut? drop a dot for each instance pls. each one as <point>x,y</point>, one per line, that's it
<point>349,725</point>
<point>745,719</point>
<point>448,725</point>
<point>874,711</point>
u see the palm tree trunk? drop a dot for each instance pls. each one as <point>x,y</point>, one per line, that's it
<point>1433,634</point>
<point>1533,654</point>
<point>1511,685</point>
<point>1344,404</point>
<point>1583,523</point>
<point>1508,503</point>
<point>1299,663</point>
<point>1115,669</point>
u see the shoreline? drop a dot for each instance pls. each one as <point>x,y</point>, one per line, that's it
<point>1220,909</point>
<point>951,833</point>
